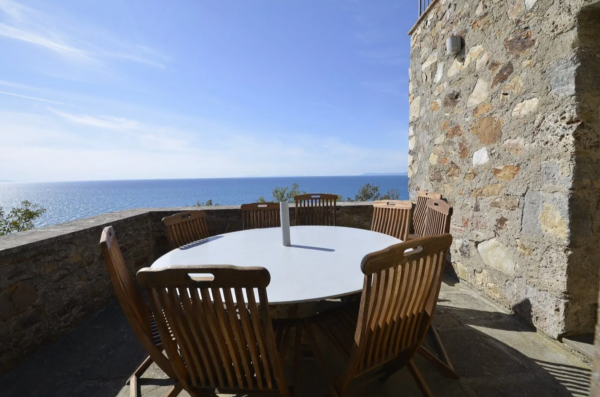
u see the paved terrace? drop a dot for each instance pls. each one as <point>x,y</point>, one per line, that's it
<point>495,354</point>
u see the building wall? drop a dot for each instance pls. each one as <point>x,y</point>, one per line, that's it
<point>51,277</point>
<point>498,131</point>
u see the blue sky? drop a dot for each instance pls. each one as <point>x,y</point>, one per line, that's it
<point>128,89</point>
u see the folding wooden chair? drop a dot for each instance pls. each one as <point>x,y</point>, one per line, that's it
<point>141,319</point>
<point>316,209</point>
<point>223,337</point>
<point>186,227</point>
<point>386,329</point>
<point>421,212</point>
<point>392,217</point>
<point>260,215</point>
<point>438,217</point>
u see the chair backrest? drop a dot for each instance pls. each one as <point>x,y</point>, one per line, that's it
<point>392,217</point>
<point>186,227</point>
<point>131,299</point>
<point>260,215</point>
<point>401,287</point>
<point>439,216</point>
<point>421,211</point>
<point>316,209</point>
<point>222,336</point>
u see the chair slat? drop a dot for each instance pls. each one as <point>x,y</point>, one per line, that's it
<point>186,227</point>
<point>438,218</point>
<point>421,211</point>
<point>219,342</point>
<point>316,209</point>
<point>392,217</point>
<point>260,215</point>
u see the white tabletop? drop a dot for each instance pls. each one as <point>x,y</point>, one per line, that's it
<point>323,261</point>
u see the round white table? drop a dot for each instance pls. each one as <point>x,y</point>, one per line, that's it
<point>323,261</point>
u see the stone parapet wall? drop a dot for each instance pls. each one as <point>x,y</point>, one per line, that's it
<point>499,130</point>
<point>51,277</point>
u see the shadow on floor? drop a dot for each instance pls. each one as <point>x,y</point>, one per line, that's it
<point>494,353</point>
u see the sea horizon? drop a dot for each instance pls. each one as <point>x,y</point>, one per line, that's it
<point>71,200</point>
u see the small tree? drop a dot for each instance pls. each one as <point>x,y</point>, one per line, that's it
<point>371,193</point>
<point>208,203</point>
<point>20,218</point>
<point>284,194</point>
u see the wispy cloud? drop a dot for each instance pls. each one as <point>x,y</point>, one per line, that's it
<point>34,27</point>
<point>106,122</point>
<point>32,98</point>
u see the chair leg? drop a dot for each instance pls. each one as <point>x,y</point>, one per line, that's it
<point>133,379</point>
<point>444,365</point>
<point>297,357</point>
<point>439,364</point>
<point>320,359</point>
<point>419,379</point>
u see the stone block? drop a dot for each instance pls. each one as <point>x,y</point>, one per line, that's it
<point>561,75</point>
<point>497,256</point>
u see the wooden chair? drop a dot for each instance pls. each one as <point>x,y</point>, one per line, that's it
<point>438,217</point>
<point>186,227</point>
<point>222,334</point>
<point>141,319</point>
<point>421,212</point>
<point>392,217</point>
<point>386,329</point>
<point>316,209</point>
<point>260,215</point>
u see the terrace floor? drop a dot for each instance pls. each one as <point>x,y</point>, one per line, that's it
<point>495,354</point>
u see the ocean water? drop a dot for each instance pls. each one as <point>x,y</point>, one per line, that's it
<point>66,201</point>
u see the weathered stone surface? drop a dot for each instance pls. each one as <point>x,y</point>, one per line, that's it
<point>526,108</point>
<point>488,130</point>
<point>24,296</point>
<point>519,42</point>
<point>514,146</point>
<point>497,256</point>
<point>507,172</point>
<point>480,93</point>
<point>463,149</point>
<point>452,99</point>
<point>503,74</point>
<point>482,109</point>
<point>415,108</point>
<point>488,191</point>
<point>454,132</point>
<point>540,113</point>
<point>562,77</point>
<point>510,203</point>
<point>552,222</point>
<point>480,157</point>
<point>435,106</point>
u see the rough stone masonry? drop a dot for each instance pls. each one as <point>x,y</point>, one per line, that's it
<point>509,132</point>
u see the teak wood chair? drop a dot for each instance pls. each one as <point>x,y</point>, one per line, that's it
<point>222,334</point>
<point>438,217</point>
<point>186,227</point>
<point>392,217</point>
<point>420,214</point>
<point>141,319</point>
<point>260,215</point>
<point>385,331</point>
<point>316,209</point>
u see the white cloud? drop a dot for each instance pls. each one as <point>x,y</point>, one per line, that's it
<point>37,28</point>
<point>32,98</point>
<point>73,147</point>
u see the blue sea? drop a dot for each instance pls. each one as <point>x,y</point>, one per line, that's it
<point>66,201</point>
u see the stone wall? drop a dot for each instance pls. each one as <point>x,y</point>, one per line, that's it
<point>507,131</point>
<point>51,277</point>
